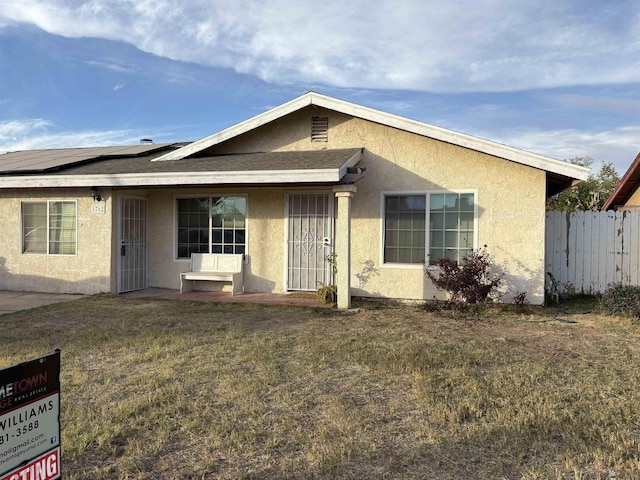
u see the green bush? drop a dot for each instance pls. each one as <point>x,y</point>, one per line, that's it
<point>621,299</point>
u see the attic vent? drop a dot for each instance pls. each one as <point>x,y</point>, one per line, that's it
<point>319,129</point>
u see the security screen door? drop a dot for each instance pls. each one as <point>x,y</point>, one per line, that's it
<point>310,239</point>
<point>133,247</point>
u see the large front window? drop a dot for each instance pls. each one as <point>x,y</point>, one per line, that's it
<point>211,225</point>
<point>429,226</point>
<point>49,228</point>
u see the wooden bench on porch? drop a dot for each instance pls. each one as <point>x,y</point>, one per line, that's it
<point>217,267</point>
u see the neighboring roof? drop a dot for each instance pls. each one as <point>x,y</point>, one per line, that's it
<point>551,165</point>
<point>50,159</point>
<point>319,166</point>
<point>626,187</point>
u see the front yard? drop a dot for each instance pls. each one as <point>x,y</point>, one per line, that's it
<point>155,389</point>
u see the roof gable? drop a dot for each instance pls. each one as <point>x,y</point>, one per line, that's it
<point>420,128</point>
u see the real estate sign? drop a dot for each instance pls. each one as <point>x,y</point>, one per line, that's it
<point>30,420</point>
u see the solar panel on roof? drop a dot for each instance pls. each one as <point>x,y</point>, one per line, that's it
<point>40,160</point>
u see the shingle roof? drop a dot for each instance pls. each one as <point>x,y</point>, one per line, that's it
<point>261,168</point>
<point>260,161</point>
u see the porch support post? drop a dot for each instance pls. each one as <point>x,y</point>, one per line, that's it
<point>344,194</point>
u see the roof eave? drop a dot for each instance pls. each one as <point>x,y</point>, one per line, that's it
<point>328,175</point>
<point>450,136</point>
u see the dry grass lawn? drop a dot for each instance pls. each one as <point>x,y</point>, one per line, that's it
<point>155,389</point>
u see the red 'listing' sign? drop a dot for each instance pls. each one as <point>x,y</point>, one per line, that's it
<point>45,467</point>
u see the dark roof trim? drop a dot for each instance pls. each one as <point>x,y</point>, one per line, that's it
<point>626,186</point>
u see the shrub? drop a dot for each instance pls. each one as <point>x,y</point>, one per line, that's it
<point>329,293</point>
<point>621,299</point>
<point>472,282</point>
<point>520,299</point>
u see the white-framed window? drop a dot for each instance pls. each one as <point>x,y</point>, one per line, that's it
<point>404,228</point>
<point>50,227</point>
<point>423,227</point>
<point>211,224</point>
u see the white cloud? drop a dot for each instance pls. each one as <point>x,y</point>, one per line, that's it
<point>112,65</point>
<point>9,131</point>
<point>618,145</point>
<point>464,45</point>
<point>34,134</point>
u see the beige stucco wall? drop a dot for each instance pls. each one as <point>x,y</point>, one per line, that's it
<point>633,203</point>
<point>87,272</point>
<point>510,197</point>
<point>264,268</point>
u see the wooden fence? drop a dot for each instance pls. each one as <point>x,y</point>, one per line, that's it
<point>586,251</point>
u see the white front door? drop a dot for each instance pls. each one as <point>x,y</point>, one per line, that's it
<point>309,239</point>
<point>133,247</point>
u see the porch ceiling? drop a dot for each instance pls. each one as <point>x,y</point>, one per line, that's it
<point>318,166</point>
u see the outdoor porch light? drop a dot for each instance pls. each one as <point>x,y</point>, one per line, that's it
<point>96,196</point>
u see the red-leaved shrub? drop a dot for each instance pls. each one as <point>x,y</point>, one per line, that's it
<point>472,282</point>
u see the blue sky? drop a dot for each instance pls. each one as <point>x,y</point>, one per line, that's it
<point>559,78</point>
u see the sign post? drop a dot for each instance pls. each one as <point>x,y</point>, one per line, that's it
<point>30,419</point>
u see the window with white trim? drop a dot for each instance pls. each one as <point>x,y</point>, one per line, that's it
<point>430,225</point>
<point>49,228</point>
<point>404,229</point>
<point>214,224</point>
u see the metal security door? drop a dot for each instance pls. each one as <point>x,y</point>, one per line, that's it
<point>133,254</point>
<point>309,240</point>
